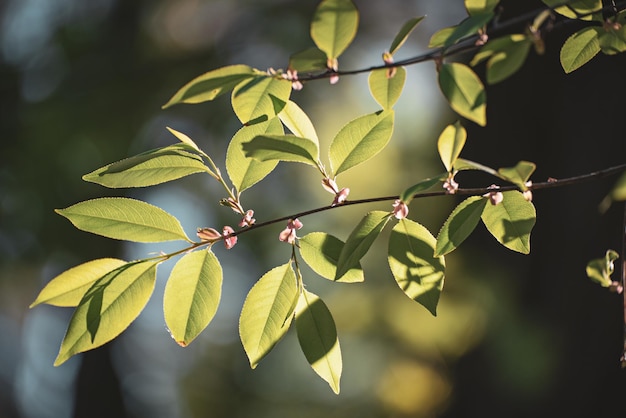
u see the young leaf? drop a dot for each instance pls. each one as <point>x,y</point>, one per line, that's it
<point>480,6</point>
<point>184,139</point>
<point>321,252</point>
<point>282,148</point>
<point>298,122</point>
<point>108,308</point>
<point>404,33</point>
<point>519,174</point>
<point>426,184</point>
<point>312,59</point>
<point>149,168</point>
<point>360,140</point>
<point>210,85</point>
<point>600,270</point>
<point>124,219</point>
<point>267,312</point>
<point>192,295</point>
<point>460,224</point>
<point>68,288</point>
<point>468,27</point>
<point>317,335</point>
<point>386,91</point>
<point>252,99</point>
<point>245,172</point>
<point>450,143</point>
<point>580,48</point>
<point>419,274</point>
<point>360,240</point>
<point>511,221</point>
<point>334,26</point>
<point>462,164</point>
<point>465,92</point>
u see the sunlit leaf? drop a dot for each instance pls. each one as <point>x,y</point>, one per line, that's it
<point>321,252</point>
<point>282,148</point>
<point>254,100</point>
<point>149,168</point>
<point>582,9</point>
<point>184,138</point>
<point>192,295</point>
<point>480,6</point>
<point>511,221</point>
<point>580,48</point>
<point>360,240</point>
<point>600,270</point>
<point>426,184</point>
<point>210,85</point>
<point>404,33</point>
<point>519,174</point>
<point>450,143</point>
<point>360,140</point>
<point>298,122</point>
<point>468,27</point>
<point>505,55</point>
<point>439,38</point>
<point>124,219</point>
<point>462,164</point>
<point>267,312</point>
<point>245,172</point>
<point>317,335</point>
<point>334,26</point>
<point>68,288</point>
<point>109,306</point>
<point>387,90</point>
<point>312,59</point>
<point>460,224</point>
<point>417,271</point>
<point>464,91</point>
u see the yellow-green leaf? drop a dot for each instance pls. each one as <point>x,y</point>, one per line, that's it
<point>312,59</point>
<point>255,100</point>
<point>404,33</point>
<point>511,221</point>
<point>282,148</point>
<point>192,295</point>
<point>464,91</point>
<point>267,312</point>
<point>450,143</point>
<point>387,90</point>
<point>294,118</point>
<point>68,288</point>
<point>317,335</point>
<point>334,26</point>
<point>580,48</point>
<point>460,224</point>
<point>480,6</point>
<point>110,305</point>
<point>321,252</point>
<point>124,219</point>
<point>519,174</point>
<point>600,270</point>
<point>582,9</point>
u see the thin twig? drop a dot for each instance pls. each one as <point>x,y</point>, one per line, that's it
<point>623,358</point>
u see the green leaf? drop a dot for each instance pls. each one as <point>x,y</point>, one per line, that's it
<point>576,8</point>
<point>254,100</point>
<point>245,172</point>
<point>419,274</point>
<point>298,122</point>
<point>619,189</point>
<point>439,38</point>
<point>519,174</point>
<point>360,240</point>
<point>404,33</point>
<point>321,252</point>
<point>465,92</point>
<point>184,139</point>
<point>124,219</point>
<point>282,148</point>
<point>334,26</point>
<point>450,143</point>
<point>480,6</point>
<point>506,56</point>
<point>317,335</point>
<point>511,221</point>
<point>468,27</point>
<point>460,224</point>
<point>360,140</point>
<point>386,91</point>
<point>68,288</point>
<point>462,164</point>
<point>192,295</point>
<point>210,85</point>
<point>312,59</point>
<point>267,312</point>
<point>149,168</point>
<point>110,305</point>
<point>579,49</point>
<point>613,41</point>
<point>600,270</point>
<point>426,184</point>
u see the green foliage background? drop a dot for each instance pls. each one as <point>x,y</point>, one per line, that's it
<point>81,85</point>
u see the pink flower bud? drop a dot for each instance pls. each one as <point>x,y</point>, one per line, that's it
<point>330,186</point>
<point>229,241</point>
<point>495,197</point>
<point>341,196</point>
<point>400,209</point>
<point>289,234</point>
<point>247,219</point>
<point>450,185</point>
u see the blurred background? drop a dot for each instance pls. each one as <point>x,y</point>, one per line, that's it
<point>81,85</point>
